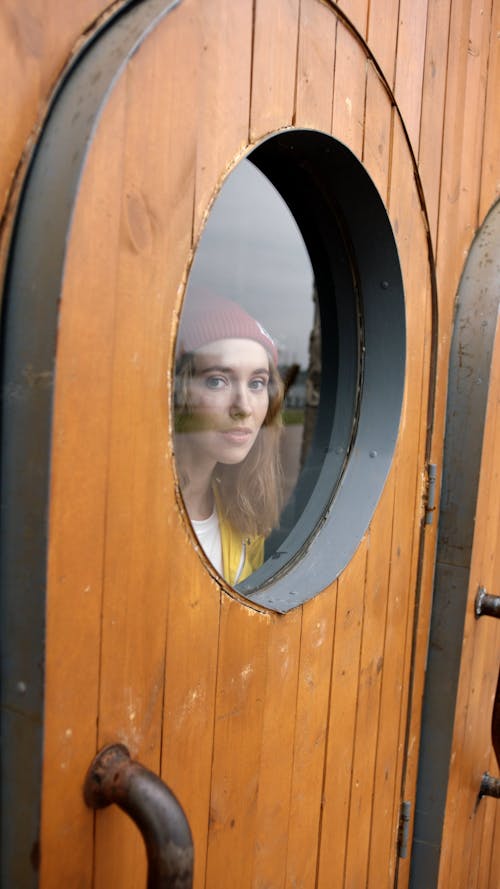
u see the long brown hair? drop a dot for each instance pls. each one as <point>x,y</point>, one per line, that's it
<point>250,493</point>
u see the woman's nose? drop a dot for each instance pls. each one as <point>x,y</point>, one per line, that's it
<point>240,403</point>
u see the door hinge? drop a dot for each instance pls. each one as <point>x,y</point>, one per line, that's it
<point>429,498</point>
<point>404,828</point>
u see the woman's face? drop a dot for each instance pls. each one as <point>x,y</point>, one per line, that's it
<point>228,398</point>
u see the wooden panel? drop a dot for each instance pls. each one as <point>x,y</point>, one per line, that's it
<point>274,65</point>
<point>277,753</point>
<point>77,521</point>
<point>413,251</point>
<point>433,103</point>
<point>467,828</point>
<point>410,64</point>
<point>310,739</point>
<point>490,185</point>
<point>238,734</point>
<point>190,681</point>
<point>315,66</point>
<point>225,99</point>
<point>371,672</point>
<point>382,36</point>
<point>342,723</point>
<point>350,90</point>
<point>464,119</point>
<point>377,142</point>
<point>357,13</point>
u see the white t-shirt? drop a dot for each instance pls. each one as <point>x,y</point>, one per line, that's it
<point>208,533</point>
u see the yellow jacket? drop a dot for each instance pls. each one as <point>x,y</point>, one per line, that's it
<point>240,558</point>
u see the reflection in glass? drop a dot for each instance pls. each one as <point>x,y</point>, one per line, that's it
<point>228,399</point>
<point>247,371</point>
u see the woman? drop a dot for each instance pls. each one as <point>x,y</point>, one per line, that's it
<point>228,398</point>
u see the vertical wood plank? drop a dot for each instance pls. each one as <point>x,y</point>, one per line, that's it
<point>494,869</point>
<point>77,515</point>
<point>410,65</point>
<point>225,76</point>
<point>239,721</point>
<point>315,66</point>
<point>464,121</point>
<point>349,91</point>
<point>310,739</point>
<point>382,36</point>
<point>378,132</point>
<point>369,689</point>
<point>433,105</point>
<point>357,13</point>
<point>273,66</point>
<point>190,680</point>
<point>490,185</point>
<point>342,722</point>
<point>277,753</point>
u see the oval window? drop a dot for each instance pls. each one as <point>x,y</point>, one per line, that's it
<point>289,368</point>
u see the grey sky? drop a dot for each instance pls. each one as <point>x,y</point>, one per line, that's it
<point>251,251</point>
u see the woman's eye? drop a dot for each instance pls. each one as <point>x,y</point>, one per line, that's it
<point>215,382</point>
<point>258,384</point>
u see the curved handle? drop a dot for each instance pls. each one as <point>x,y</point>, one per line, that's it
<point>486,604</point>
<point>113,777</point>
<point>490,786</point>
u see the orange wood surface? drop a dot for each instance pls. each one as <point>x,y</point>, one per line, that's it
<point>315,66</point>
<point>349,102</point>
<point>78,511</point>
<point>311,721</point>
<point>286,738</point>
<point>225,77</point>
<point>277,752</point>
<point>412,20</point>
<point>357,12</point>
<point>433,104</point>
<point>377,137</point>
<point>382,36</point>
<point>275,40</point>
<point>491,140</point>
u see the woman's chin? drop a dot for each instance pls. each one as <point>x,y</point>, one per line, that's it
<point>234,454</point>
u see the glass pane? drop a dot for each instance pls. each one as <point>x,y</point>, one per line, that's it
<point>247,372</point>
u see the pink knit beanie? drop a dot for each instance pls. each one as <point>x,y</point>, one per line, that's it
<point>210,318</point>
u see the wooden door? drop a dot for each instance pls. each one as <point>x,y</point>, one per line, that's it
<point>470,851</point>
<point>284,736</point>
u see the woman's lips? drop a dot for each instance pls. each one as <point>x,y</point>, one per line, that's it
<point>238,434</point>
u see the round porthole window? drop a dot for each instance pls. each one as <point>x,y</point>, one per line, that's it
<point>289,368</point>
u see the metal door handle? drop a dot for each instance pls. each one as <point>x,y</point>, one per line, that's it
<point>113,777</point>
<point>486,604</point>
<point>490,786</point>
